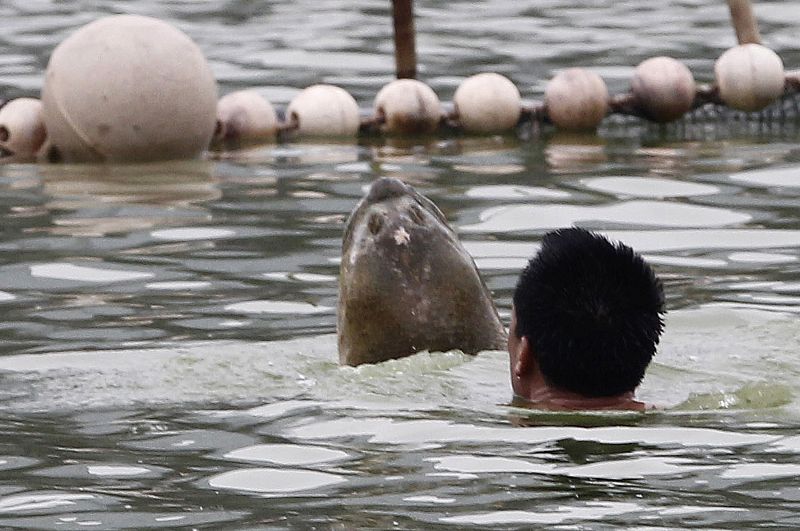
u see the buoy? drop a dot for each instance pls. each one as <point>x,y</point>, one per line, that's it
<point>22,130</point>
<point>407,106</point>
<point>487,103</point>
<point>664,88</point>
<point>749,77</point>
<point>128,88</point>
<point>324,110</point>
<point>245,116</point>
<point>576,99</point>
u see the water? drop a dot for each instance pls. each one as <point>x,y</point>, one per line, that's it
<point>168,356</point>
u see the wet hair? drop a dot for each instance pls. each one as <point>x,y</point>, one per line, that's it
<point>592,312</point>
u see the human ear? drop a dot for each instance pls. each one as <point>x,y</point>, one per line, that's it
<point>524,358</point>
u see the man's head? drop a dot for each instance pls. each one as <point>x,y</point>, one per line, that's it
<point>590,312</point>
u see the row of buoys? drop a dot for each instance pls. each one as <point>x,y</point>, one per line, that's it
<point>130,88</point>
<point>123,88</point>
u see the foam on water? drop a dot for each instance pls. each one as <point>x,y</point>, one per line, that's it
<point>719,348</point>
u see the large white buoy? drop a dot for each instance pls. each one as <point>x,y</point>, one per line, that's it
<point>324,110</point>
<point>487,103</point>
<point>245,116</point>
<point>576,99</point>
<point>749,77</point>
<point>664,88</point>
<point>22,130</point>
<point>407,106</point>
<point>128,88</point>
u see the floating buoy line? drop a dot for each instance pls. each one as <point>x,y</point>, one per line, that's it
<point>150,96</point>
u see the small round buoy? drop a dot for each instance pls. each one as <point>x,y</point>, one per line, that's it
<point>576,99</point>
<point>128,88</point>
<point>487,103</point>
<point>664,88</point>
<point>324,110</point>
<point>245,116</point>
<point>407,106</point>
<point>749,77</point>
<point>22,130</point>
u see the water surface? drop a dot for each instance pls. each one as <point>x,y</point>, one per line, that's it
<point>168,357</point>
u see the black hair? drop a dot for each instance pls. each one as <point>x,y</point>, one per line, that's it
<point>592,312</point>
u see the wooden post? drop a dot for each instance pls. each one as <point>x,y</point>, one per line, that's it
<point>744,22</point>
<point>405,54</point>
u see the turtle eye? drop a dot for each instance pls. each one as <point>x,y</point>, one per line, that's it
<point>375,223</point>
<point>416,215</point>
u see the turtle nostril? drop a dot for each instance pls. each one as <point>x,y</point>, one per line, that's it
<point>375,223</point>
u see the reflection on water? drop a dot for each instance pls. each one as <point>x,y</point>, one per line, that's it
<point>648,187</point>
<point>168,348</point>
<point>569,153</point>
<point>647,213</point>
